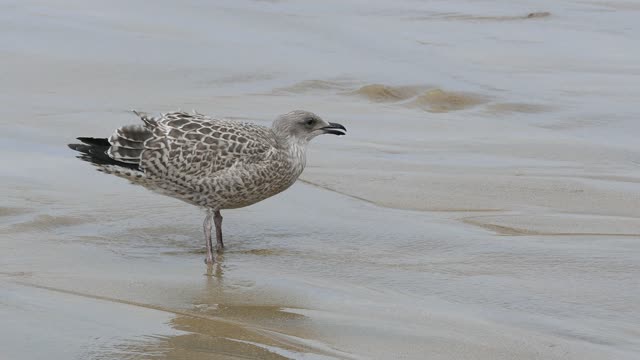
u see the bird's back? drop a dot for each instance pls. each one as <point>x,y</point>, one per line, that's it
<point>195,145</point>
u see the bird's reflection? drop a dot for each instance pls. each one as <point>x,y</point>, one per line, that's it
<point>214,271</point>
<point>218,321</point>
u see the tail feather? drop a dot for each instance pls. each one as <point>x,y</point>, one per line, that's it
<point>132,133</point>
<point>94,150</point>
<point>123,148</point>
<point>94,141</point>
<point>127,143</point>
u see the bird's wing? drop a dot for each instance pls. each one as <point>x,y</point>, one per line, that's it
<point>126,144</point>
<point>190,145</point>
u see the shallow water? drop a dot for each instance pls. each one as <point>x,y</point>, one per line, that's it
<point>483,205</point>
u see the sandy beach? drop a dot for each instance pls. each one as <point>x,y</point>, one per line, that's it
<point>484,205</point>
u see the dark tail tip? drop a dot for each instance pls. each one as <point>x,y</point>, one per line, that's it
<point>95,141</point>
<point>78,147</point>
<point>94,150</point>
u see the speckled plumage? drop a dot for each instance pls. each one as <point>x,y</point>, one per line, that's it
<point>215,164</point>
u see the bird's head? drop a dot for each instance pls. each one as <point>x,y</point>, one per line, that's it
<point>302,126</point>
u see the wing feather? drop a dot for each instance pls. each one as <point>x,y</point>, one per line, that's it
<point>127,143</point>
<point>188,146</point>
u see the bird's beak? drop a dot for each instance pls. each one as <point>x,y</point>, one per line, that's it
<point>334,128</point>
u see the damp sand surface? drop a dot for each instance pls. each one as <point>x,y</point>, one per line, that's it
<point>485,203</point>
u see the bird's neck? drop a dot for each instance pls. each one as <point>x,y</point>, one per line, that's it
<point>297,152</point>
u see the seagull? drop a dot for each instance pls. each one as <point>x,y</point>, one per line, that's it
<point>211,163</point>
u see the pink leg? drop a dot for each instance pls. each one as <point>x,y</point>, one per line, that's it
<point>207,237</point>
<point>217,219</point>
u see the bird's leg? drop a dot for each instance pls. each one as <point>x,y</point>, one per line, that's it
<point>207,238</point>
<point>217,219</point>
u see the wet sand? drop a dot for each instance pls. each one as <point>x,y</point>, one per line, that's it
<point>484,204</point>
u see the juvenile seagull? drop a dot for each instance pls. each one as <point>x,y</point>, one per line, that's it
<point>214,164</point>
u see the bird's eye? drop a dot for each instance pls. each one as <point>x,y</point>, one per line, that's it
<point>310,121</point>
